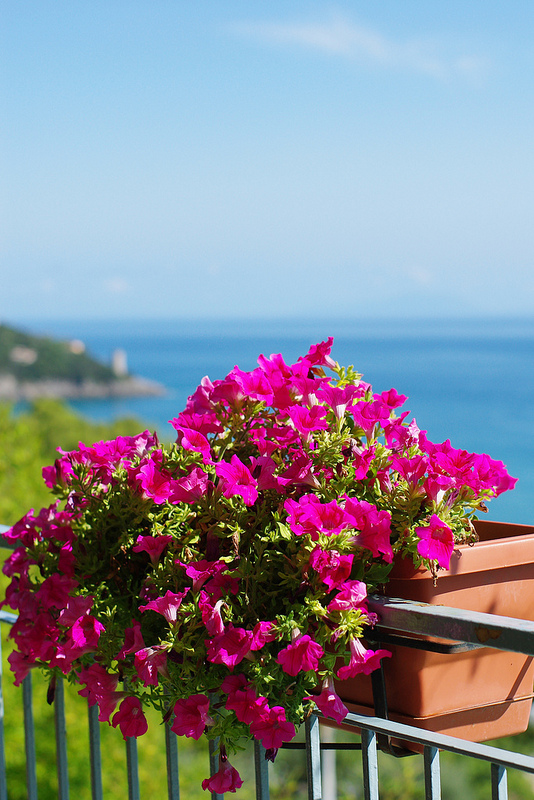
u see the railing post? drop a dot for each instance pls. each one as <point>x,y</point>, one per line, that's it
<point>132,768</point>
<point>432,773</point>
<point>29,738</point>
<point>313,757</point>
<point>171,749</point>
<point>370,765</point>
<point>3,778</point>
<point>499,782</point>
<point>95,757</point>
<point>61,740</point>
<point>214,765</point>
<point>261,769</point>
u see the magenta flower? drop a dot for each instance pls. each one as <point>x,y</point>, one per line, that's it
<point>75,608</point>
<point>332,567</point>
<point>211,614</point>
<point>191,716</point>
<point>155,484</point>
<point>229,647</point>
<point>133,640</point>
<point>273,729</point>
<point>368,414</point>
<point>153,545</point>
<point>320,354</point>
<point>235,478</point>
<point>391,398</point>
<point>190,488</point>
<point>329,702</point>
<point>150,662</point>
<point>254,384</point>
<point>301,655</point>
<point>167,605</point>
<point>436,542</point>
<point>54,591</point>
<point>352,595</point>
<point>232,683</point>
<point>130,718</point>
<point>246,705</point>
<point>191,439</point>
<point>201,571</point>
<point>307,420</point>
<point>374,527</point>
<point>227,779</point>
<point>361,660</point>
<point>85,634</point>
<point>100,687</point>
<point>338,399</point>
<point>261,635</point>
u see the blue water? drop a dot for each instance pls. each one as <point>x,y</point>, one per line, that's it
<point>470,381</point>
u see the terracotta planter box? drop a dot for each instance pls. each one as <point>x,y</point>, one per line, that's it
<point>476,695</point>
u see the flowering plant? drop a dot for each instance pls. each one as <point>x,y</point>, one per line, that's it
<point>223,579</point>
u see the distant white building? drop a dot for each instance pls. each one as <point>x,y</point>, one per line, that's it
<point>119,362</point>
<point>23,355</point>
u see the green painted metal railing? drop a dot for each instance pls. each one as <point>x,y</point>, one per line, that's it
<point>452,624</point>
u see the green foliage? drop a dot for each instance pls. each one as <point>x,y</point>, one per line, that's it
<point>29,440</point>
<point>54,359</point>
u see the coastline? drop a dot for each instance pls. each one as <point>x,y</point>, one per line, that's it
<point>14,390</point>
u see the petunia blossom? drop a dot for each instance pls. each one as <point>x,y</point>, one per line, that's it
<point>236,479</point>
<point>273,729</point>
<point>361,661</point>
<point>167,605</point>
<point>153,545</point>
<point>329,702</point>
<point>191,716</point>
<point>229,647</point>
<point>226,779</point>
<point>130,718</point>
<point>301,655</point>
<point>436,542</point>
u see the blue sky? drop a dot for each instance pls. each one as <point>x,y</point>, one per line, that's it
<point>214,159</point>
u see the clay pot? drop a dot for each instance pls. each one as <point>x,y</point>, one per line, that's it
<point>476,695</point>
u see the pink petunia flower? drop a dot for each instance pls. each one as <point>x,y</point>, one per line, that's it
<point>246,705</point>
<point>130,718</point>
<point>361,660</point>
<point>352,595</point>
<point>133,640</point>
<point>100,687</point>
<point>227,779</point>
<point>329,702</point>
<point>153,545</point>
<point>436,542</point>
<point>191,716</point>
<point>155,484</point>
<point>229,647</point>
<point>150,662</point>
<point>167,605</point>
<point>190,488</point>
<point>332,567</point>
<point>301,655</point>
<point>273,729</point>
<point>236,479</point>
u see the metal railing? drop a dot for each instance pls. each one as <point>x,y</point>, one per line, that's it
<point>396,615</point>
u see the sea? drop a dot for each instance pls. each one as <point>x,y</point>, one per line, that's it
<point>470,381</point>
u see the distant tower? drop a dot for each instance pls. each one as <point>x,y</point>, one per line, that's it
<point>119,363</point>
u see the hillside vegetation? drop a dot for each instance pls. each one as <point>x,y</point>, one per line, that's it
<point>34,358</point>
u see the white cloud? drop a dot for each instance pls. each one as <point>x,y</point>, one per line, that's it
<point>116,285</point>
<point>347,39</point>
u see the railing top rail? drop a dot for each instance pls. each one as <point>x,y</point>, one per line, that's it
<point>459,625</point>
<point>398,730</point>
